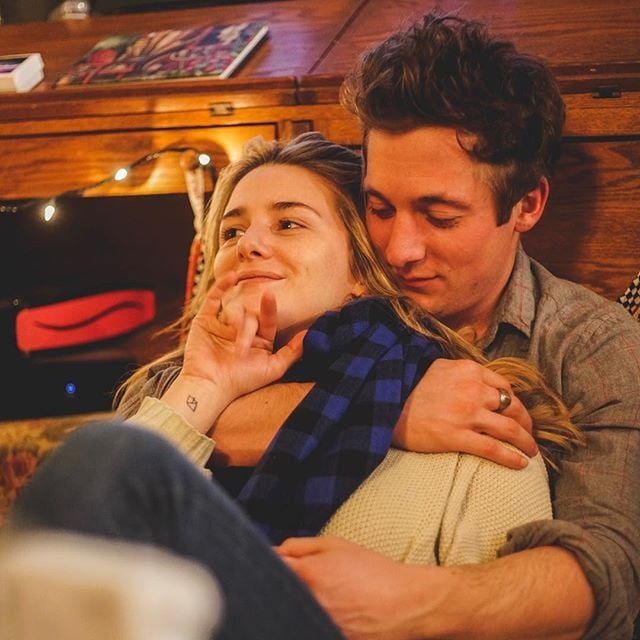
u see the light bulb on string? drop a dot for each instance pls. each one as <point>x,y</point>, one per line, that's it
<point>49,211</point>
<point>120,174</point>
<point>190,160</point>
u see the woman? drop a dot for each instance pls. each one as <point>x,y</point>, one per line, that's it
<point>285,231</point>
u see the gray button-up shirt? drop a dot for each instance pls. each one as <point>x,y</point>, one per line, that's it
<point>589,350</point>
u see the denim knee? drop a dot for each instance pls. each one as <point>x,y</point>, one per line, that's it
<point>93,471</point>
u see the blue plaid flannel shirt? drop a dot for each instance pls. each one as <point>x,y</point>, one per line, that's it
<point>365,363</point>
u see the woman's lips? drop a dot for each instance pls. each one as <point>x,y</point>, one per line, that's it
<point>256,278</point>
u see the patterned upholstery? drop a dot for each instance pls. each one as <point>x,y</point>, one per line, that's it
<point>630,299</point>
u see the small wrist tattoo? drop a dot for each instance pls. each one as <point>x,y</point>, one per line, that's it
<point>192,403</point>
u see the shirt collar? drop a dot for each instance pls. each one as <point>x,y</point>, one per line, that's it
<point>518,302</point>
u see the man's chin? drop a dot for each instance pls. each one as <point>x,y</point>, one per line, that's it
<point>428,302</point>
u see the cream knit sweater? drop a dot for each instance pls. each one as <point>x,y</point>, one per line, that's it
<point>436,508</point>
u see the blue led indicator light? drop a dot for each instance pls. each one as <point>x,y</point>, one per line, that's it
<point>70,389</point>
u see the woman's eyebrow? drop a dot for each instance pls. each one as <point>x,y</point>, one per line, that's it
<point>233,213</point>
<point>283,205</point>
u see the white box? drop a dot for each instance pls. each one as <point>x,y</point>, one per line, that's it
<point>20,72</point>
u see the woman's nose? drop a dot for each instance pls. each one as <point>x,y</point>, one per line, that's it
<point>254,243</point>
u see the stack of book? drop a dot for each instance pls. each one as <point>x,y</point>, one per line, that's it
<point>21,72</point>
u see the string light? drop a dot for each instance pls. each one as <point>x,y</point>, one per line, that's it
<point>49,211</point>
<point>50,208</point>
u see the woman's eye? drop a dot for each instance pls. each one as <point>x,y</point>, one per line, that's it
<point>230,233</point>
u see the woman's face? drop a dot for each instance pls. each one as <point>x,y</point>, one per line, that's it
<point>281,232</point>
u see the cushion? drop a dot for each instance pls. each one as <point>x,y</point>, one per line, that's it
<point>24,444</point>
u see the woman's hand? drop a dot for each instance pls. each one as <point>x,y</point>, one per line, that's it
<point>227,356</point>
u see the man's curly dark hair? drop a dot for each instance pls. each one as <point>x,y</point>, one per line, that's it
<point>447,71</point>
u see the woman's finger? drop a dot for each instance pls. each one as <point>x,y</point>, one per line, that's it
<point>247,327</point>
<point>284,357</point>
<point>213,300</point>
<point>268,321</point>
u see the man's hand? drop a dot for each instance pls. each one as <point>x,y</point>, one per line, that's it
<point>541,593</point>
<point>366,594</point>
<point>453,408</point>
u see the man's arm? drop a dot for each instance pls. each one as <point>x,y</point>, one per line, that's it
<point>369,596</point>
<point>246,427</point>
<point>451,409</point>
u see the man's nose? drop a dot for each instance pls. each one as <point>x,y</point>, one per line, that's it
<point>406,241</point>
<point>254,243</point>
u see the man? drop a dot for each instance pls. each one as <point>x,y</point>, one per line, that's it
<point>461,134</point>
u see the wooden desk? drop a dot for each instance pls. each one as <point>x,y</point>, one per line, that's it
<point>52,140</point>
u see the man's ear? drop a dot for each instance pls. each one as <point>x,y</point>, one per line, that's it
<point>529,209</point>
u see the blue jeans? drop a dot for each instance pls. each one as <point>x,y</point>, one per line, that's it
<point>117,481</point>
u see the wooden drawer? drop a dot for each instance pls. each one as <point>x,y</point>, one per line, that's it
<point>590,232</point>
<point>43,166</point>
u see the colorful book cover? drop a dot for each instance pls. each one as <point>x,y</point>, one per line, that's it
<point>213,51</point>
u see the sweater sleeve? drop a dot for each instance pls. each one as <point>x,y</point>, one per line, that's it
<point>157,416</point>
<point>487,501</point>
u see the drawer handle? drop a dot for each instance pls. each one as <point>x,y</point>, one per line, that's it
<point>606,91</point>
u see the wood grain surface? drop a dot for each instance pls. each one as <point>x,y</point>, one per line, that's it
<point>300,32</point>
<point>562,32</point>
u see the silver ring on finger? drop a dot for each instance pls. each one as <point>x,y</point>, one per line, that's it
<point>504,400</point>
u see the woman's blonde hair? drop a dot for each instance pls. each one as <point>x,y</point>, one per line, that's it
<point>341,170</point>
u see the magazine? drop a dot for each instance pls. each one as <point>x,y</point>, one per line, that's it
<point>212,51</point>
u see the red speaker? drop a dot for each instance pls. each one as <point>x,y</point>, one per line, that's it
<point>83,320</point>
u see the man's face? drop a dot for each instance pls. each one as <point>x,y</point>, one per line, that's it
<point>432,216</point>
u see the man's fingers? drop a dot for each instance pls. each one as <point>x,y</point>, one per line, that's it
<point>516,411</point>
<point>300,547</point>
<point>489,448</point>
<point>497,381</point>
<point>501,427</point>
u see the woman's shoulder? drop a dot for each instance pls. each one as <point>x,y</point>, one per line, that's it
<point>487,500</point>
